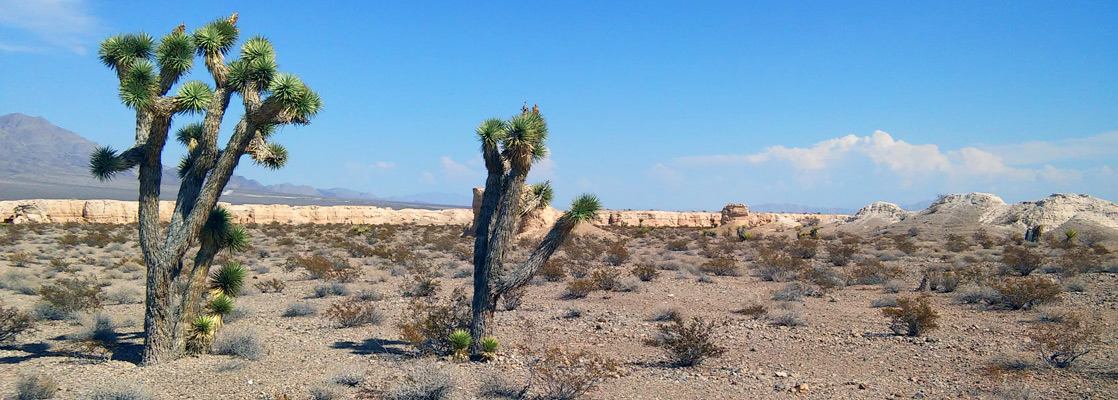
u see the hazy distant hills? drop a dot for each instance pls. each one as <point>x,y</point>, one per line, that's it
<point>41,160</point>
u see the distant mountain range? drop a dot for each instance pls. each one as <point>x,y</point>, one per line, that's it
<point>41,160</point>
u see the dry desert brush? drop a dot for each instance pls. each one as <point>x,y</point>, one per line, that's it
<point>509,149</point>
<point>149,72</point>
<point>688,342</point>
<point>1062,342</point>
<point>912,316</point>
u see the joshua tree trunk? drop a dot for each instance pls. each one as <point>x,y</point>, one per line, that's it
<point>147,72</point>
<point>502,206</point>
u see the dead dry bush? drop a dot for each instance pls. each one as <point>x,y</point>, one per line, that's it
<point>553,270</point>
<point>13,323</point>
<point>427,322</point>
<point>579,288</point>
<point>1061,343</point>
<point>840,254</point>
<point>1025,292</point>
<point>687,343</point>
<point>353,312</point>
<point>1021,260</point>
<point>274,285</point>
<point>776,265</point>
<point>957,243</point>
<point>721,267</point>
<point>645,272</point>
<point>556,373</point>
<point>912,316</point>
<point>805,248</point>
<point>319,266</point>
<point>72,294</point>
<point>872,272</point>
<point>616,253</point>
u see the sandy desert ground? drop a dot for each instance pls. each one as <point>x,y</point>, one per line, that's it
<point>802,329</point>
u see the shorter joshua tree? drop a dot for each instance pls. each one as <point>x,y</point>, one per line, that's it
<point>509,149</point>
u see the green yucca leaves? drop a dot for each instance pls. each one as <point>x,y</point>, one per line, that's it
<point>139,84</point>
<point>189,135</point>
<point>544,192</point>
<point>221,305</point>
<point>120,51</point>
<point>491,132</point>
<point>218,225</point>
<point>257,47</point>
<point>228,280</point>
<point>277,157</point>
<point>460,339</point>
<point>237,240</point>
<point>194,96</point>
<point>175,53</point>
<point>295,97</point>
<point>584,208</point>
<point>216,37</point>
<point>104,163</point>
<point>203,325</point>
<point>489,345</point>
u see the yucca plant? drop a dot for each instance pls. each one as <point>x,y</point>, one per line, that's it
<point>509,149</point>
<point>460,341</point>
<point>1070,235</point>
<point>149,72</point>
<point>489,347</point>
<point>228,280</point>
<point>200,334</point>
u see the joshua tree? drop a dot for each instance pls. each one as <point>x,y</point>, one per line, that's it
<point>509,149</point>
<point>147,72</point>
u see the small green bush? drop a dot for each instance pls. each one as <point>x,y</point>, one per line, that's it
<point>1025,292</point>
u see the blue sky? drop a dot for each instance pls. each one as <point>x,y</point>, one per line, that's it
<point>651,105</point>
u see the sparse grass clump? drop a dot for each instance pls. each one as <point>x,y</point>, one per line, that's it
<point>121,390</point>
<point>791,317</point>
<point>753,310</point>
<point>911,317</point>
<point>331,289</point>
<point>299,310</point>
<point>244,343</point>
<point>424,381</point>
<point>319,266</point>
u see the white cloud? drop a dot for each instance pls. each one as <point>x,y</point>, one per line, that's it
<point>454,169</point>
<point>907,160</point>
<point>1101,146</point>
<point>57,23</point>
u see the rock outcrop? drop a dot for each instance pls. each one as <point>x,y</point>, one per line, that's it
<point>879,214</point>
<point>733,212</point>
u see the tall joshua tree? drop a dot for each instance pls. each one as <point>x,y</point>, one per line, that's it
<point>148,71</point>
<point>509,149</point>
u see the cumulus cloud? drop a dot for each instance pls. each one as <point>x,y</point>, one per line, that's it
<point>910,161</point>
<point>66,24</point>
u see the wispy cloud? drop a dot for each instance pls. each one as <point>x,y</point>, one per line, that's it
<point>64,24</point>
<point>912,161</point>
<point>1101,146</point>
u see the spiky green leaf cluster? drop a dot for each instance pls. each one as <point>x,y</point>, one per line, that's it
<point>295,97</point>
<point>257,66</point>
<point>228,280</point>
<point>194,96</point>
<point>277,158</point>
<point>104,163</point>
<point>491,132</point>
<point>584,208</point>
<point>175,53</point>
<point>121,51</point>
<point>489,345</point>
<point>460,339</point>
<point>203,326</point>
<point>544,192</point>
<point>189,135</point>
<point>216,37</point>
<point>137,89</point>
<point>220,305</point>
<point>526,133</point>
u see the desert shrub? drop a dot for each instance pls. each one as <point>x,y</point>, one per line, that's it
<point>331,289</point>
<point>912,316</point>
<point>902,243</point>
<point>754,311</point>
<point>72,294</point>
<point>349,375</point>
<point>1061,343</point>
<point>564,374</point>
<point>244,343</point>
<point>872,272</point>
<point>823,277</point>
<point>1021,260</point>
<point>941,280</point>
<point>123,295</point>
<point>793,291</point>
<point>299,310</point>
<point>957,243</point>
<point>616,253</point>
<point>353,312</point>
<point>1076,260</point>
<point>805,248</point>
<point>645,272</point>
<point>686,343</point>
<point>579,288</point>
<point>427,322</point>
<point>777,265</point>
<point>720,267</point>
<point>511,300</point>
<point>20,259</point>
<point>273,285</point>
<point>677,245</point>
<point>424,281</point>
<point>97,330</point>
<point>887,301</point>
<point>1025,292</point>
<point>979,294</point>
<point>319,266</point>
<point>285,242</point>
<point>13,323</point>
<point>788,317</point>
<point>322,393</point>
<point>36,387</point>
<point>983,239</point>
<point>60,265</point>
<point>553,270</point>
<point>121,390</point>
<point>496,384</point>
<point>370,295</point>
<point>424,381</point>
<point>605,278</point>
<point>840,254</point>
<point>1003,368</point>
<point>892,286</point>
